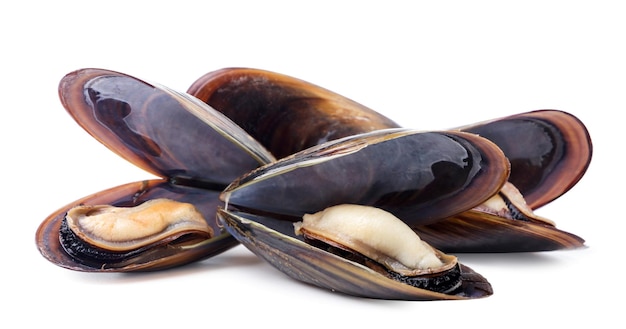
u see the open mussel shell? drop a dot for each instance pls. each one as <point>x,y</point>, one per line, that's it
<point>420,177</point>
<point>505,223</point>
<point>283,113</point>
<point>164,132</point>
<point>549,151</point>
<point>274,240</point>
<point>160,257</point>
<point>173,135</point>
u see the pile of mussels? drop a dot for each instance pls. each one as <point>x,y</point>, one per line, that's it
<point>325,189</point>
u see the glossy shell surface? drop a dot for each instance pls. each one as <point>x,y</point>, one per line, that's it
<point>549,151</point>
<point>284,113</point>
<point>166,133</point>
<point>420,177</point>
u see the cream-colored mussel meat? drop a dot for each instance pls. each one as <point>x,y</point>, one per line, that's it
<point>112,233</point>
<point>381,241</point>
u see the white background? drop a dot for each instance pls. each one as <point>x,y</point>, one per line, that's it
<point>427,66</point>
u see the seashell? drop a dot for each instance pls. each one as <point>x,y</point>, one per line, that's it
<point>549,151</point>
<point>420,177</point>
<point>158,256</point>
<point>381,241</point>
<point>166,133</point>
<point>283,113</point>
<point>275,240</point>
<point>505,223</point>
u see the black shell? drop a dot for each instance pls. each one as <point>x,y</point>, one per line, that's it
<point>549,151</point>
<point>166,133</point>
<point>420,177</point>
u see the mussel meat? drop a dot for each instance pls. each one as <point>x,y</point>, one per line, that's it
<point>157,256</point>
<point>381,241</point>
<point>109,236</point>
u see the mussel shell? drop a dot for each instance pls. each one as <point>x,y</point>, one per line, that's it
<point>274,241</point>
<point>132,194</point>
<point>549,151</point>
<point>169,134</point>
<point>420,177</point>
<point>475,231</point>
<point>283,113</point>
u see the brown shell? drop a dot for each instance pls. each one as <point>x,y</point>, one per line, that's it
<point>283,113</point>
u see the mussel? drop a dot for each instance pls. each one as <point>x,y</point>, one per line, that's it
<point>549,152</point>
<point>173,135</point>
<point>419,177</point>
<point>347,272</point>
<point>159,256</point>
<point>505,223</point>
